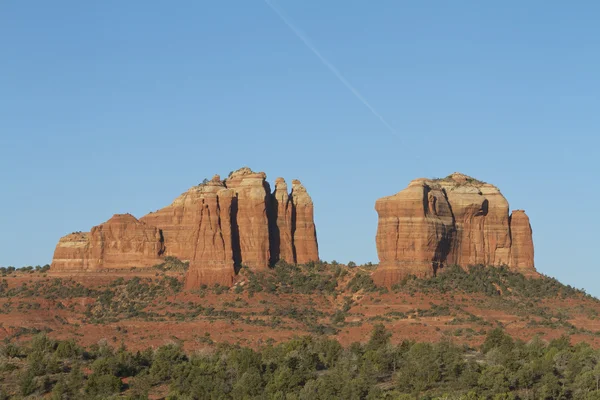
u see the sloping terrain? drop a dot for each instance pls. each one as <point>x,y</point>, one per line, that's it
<point>150,307</point>
<point>316,331</point>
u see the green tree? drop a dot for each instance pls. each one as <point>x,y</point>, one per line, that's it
<point>165,361</point>
<point>103,385</point>
<point>420,370</point>
<point>380,337</point>
<point>27,384</point>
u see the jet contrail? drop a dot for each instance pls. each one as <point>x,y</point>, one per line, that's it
<point>329,65</point>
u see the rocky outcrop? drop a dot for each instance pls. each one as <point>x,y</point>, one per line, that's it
<point>72,252</point>
<point>212,260</point>
<point>303,225</point>
<point>455,220</point>
<point>252,216</point>
<point>481,215</point>
<point>122,242</point>
<point>217,226</point>
<point>522,242</point>
<point>282,223</point>
<point>414,234</point>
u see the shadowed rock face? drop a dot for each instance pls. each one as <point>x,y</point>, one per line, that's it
<point>282,223</point>
<point>253,201</point>
<point>455,220</point>
<point>217,226</point>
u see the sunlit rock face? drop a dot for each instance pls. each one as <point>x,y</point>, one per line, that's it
<point>455,220</point>
<point>217,226</point>
<point>122,242</point>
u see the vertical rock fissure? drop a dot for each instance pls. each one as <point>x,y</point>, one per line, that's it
<point>293,228</point>
<point>274,233</point>
<point>235,236</point>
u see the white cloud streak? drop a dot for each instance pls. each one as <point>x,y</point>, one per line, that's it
<point>328,64</point>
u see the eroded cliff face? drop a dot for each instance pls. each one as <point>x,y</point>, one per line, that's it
<point>522,242</point>
<point>212,260</point>
<point>122,242</point>
<point>253,202</point>
<point>455,220</point>
<point>303,226</point>
<point>72,253</point>
<point>282,224</point>
<point>414,234</point>
<point>217,226</point>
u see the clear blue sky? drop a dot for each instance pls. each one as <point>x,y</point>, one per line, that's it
<point>119,106</point>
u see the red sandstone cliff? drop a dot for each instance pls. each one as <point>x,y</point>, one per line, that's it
<point>522,242</point>
<point>253,201</point>
<point>283,224</point>
<point>303,225</point>
<point>122,242</point>
<point>414,233</point>
<point>218,226</point>
<point>212,260</point>
<point>456,220</point>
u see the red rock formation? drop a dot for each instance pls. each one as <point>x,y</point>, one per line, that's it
<point>455,220</point>
<point>217,226</point>
<point>122,242</point>
<point>253,198</point>
<point>71,253</point>
<point>303,226</point>
<point>282,237</point>
<point>482,224</point>
<point>179,222</point>
<point>212,259</point>
<point>414,233</point>
<point>522,242</point>
<point>496,230</point>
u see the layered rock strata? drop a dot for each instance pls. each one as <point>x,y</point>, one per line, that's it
<point>122,242</point>
<point>303,225</point>
<point>522,242</point>
<point>455,220</point>
<point>217,226</point>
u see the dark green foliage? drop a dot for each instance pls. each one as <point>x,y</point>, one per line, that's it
<point>380,337</point>
<point>51,289</point>
<point>362,281</point>
<point>313,368</point>
<point>491,281</point>
<point>308,367</point>
<point>128,299</point>
<point>27,383</point>
<point>102,386</point>
<point>165,362</point>
<point>172,264</point>
<point>314,277</point>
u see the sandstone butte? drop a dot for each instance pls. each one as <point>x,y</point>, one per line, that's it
<point>457,220</point>
<point>217,226</point>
